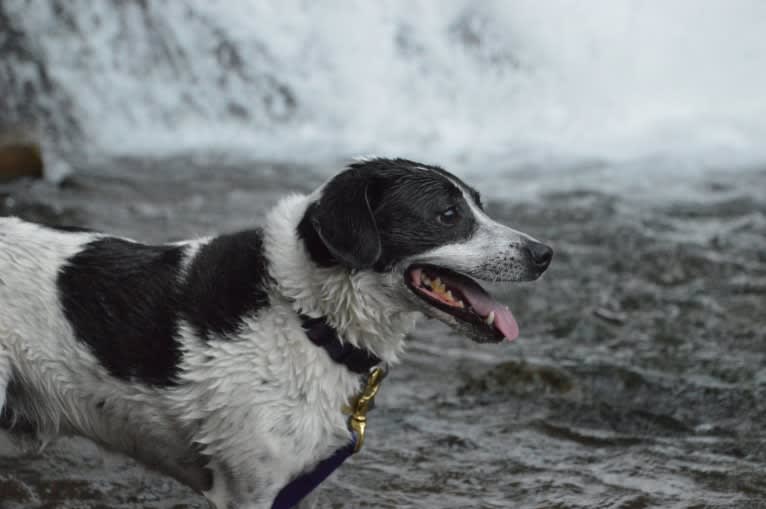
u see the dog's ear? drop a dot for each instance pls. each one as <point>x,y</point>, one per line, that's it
<point>345,222</point>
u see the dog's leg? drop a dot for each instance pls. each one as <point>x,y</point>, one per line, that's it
<point>235,491</point>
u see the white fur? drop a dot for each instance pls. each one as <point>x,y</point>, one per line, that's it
<point>366,306</point>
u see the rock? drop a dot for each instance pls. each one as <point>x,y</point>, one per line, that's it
<point>20,160</point>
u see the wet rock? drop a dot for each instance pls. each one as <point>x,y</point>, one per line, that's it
<point>20,160</point>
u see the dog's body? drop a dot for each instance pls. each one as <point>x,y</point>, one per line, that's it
<point>192,357</point>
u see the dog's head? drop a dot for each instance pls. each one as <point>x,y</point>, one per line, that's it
<point>425,234</point>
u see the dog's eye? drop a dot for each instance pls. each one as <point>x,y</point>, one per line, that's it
<point>448,217</point>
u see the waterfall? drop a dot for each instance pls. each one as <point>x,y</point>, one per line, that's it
<point>460,81</point>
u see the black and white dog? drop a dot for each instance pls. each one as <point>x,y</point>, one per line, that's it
<point>193,356</point>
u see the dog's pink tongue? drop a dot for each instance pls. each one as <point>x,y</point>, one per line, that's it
<point>484,305</point>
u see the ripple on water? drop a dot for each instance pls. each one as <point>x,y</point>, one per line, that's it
<point>663,407</point>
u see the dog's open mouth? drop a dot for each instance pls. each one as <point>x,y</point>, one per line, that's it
<point>463,298</point>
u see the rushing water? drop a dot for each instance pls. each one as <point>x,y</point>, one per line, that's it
<point>639,379</point>
<point>460,81</point>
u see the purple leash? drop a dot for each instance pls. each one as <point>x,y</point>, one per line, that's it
<point>305,483</point>
<point>357,361</point>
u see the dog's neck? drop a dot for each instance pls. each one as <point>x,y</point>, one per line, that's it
<point>359,305</point>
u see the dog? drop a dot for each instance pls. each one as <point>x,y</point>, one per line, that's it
<point>193,357</point>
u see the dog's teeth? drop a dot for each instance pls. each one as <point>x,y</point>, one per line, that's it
<point>490,318</point>
<point>460,304</point>
<point>449,295</point>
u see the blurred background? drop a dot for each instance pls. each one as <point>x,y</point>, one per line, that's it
<point>628,134</point>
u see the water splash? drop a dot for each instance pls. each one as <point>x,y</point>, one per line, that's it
<point>466,82</point>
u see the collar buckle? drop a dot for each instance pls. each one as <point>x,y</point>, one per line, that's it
<point>363,403</point>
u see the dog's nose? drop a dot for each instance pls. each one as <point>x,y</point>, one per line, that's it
<point>540,254</point>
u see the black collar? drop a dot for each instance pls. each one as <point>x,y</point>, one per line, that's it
<point>324,335</point>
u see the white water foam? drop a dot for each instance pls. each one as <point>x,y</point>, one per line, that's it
<point>489,85</point>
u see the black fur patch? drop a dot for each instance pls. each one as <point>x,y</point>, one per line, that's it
<point>125,299</point>
<point>226,280</point>
<point>314,245</point>
<point>473,192</point>
<point>121,299</point>
<point>405,199</point>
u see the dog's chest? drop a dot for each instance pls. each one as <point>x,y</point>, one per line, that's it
<point>271,390</point>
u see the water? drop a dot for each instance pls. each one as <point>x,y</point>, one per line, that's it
<point>628,134</point>
<point>476,84</point>
<point>638,381</point>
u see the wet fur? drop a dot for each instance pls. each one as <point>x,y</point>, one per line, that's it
<point>191,356</point>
